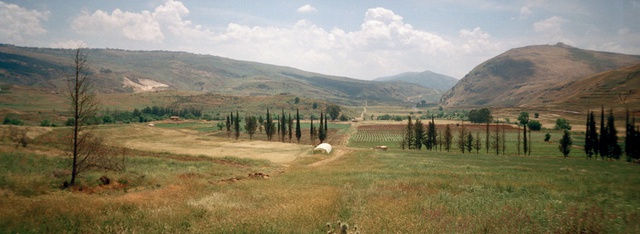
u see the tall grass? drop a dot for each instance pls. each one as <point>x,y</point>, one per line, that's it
<point>380,192</point>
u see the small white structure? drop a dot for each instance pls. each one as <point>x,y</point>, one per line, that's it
<point>323,148</point>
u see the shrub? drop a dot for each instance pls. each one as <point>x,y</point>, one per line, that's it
<point>535,125</point>
<point>547,137</point>
<point>562,124</point>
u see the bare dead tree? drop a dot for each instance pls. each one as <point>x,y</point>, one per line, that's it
<point>83,105</point>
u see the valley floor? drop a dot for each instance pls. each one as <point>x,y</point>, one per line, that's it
<point>178,180</point>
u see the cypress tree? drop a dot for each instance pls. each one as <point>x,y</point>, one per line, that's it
<point>518,143</point>
<point>591,137</point>
<point>462,135</point>
<point>603,142</point>
<point>321,133</point>
<point>283,126</point>
<point>419,134</point>
<point>290,122</point>
<point>497,140</point>
<point>469,142</point>
<point>298,131</point>
<point>236,125</point>
<point>487,136</point>
<point>228,125</point>
<point>614,148</point>
<point>448,137</point>
<point>565,143</point>
<point>408,135</point>
<point>593,132</point>
<point>430,140</point>
<point>477,142</point>
<point>267,128</point>
<point>312,132</point>
<point>326,130</point>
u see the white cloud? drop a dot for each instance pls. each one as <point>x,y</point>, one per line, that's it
<point>383,45</point>
<point>18,23</point>
<point>165,21</point>
<point>550,26</point>
<point>70,44</point>
<point>132,26</point>
<point>527,9</point>
<point>306,9</point>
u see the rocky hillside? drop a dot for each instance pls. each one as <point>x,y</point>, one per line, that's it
<point>541,75</point>
<point>118,71</point>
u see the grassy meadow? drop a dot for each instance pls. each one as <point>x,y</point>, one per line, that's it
<point>397,191</point>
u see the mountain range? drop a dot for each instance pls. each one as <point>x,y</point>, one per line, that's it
<point>121,71</point>
<point>540,76</point>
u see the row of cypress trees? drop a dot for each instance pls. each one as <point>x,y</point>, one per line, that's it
<point>605,142</point>
<point>283,126</point>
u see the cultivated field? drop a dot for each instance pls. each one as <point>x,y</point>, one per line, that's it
<point>187,178</point>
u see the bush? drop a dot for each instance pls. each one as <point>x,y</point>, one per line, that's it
<point>562,124</point>
<point>10,121</point>
<point>384,117</point>
<point>535,125</point>
<point>547,137</point>
<point>344,118</point>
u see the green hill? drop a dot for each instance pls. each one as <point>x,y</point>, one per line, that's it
<point>121,71</point>
<point>538,76</point>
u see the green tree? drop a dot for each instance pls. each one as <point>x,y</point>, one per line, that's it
<point>448,138</point>
<point>268,127</point>
<point>236,125</point>
<point>591,136</point>
<point>480,116</point>
<point>562,123</point>
<point>603,142</point>
<point>321,133</point>
<point>469,142</point>
<point>430,140</point>
<point>250,125</point>
<point>419,134</point>
<point>283,126</point>
<point>333,111</point>
<point>260,123</point>
<point>228,125</point>
<point>565,143</point>
<point>523,119</point>
<point>290,125</point>
<point>408,135</point>
<point>312,132</point>
<point>477,142</point>
<point>298,131</point>
<point>462,138</point>
<point>534,125</point>
<point>614,148</point>
<point>326,129</point>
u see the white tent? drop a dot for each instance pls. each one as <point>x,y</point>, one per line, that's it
<point>323,148</point>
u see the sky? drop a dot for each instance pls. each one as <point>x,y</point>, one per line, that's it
<point>357,39</point>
